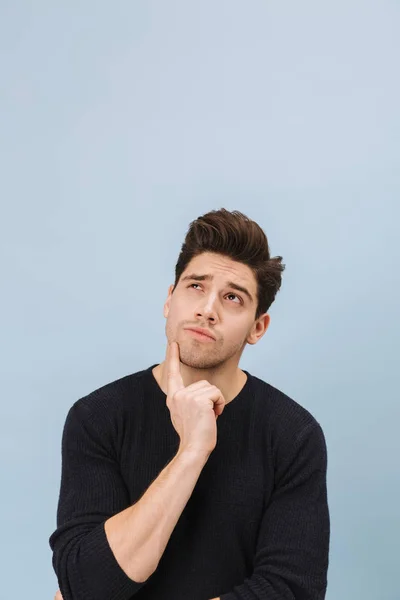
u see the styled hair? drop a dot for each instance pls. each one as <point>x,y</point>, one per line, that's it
<point>234,235</point>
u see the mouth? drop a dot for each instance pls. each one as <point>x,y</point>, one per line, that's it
<point>200,336</point>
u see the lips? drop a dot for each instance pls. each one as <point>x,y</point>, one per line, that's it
<point>201,332</point>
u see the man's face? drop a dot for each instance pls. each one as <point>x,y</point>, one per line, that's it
<point>215,305</point>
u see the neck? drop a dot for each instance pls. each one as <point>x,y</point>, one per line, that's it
<point>230,382</point>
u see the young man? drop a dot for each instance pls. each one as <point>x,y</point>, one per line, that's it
<point>193,479</point>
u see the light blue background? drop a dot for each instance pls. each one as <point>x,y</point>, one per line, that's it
<point>122,122</point>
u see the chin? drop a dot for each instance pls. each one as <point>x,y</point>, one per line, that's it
<point>202,364</point>
<point>199,359</point>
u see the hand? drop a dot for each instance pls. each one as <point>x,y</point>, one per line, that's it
<point>194,409</point>
<point>58,596</point>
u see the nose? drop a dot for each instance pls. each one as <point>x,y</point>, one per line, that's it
<point>208,310</point>
<point>206,316</point>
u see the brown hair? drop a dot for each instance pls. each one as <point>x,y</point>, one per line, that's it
<point>234,235</point>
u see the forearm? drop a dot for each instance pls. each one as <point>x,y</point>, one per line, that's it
<point>139,534</point>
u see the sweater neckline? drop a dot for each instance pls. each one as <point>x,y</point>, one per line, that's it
<point>242,393</point>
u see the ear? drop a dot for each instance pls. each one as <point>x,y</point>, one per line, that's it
<point>258,329</point>
<point>168,301</point>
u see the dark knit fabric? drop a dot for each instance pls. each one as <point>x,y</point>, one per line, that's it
<point>256,526</point>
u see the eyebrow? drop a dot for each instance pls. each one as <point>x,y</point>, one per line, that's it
<point>231,284</point>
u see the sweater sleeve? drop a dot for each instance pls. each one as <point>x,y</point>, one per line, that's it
<point>291,558</point>
<point>92,490</point>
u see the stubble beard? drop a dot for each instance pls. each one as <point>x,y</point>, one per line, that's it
<point>204,356</point>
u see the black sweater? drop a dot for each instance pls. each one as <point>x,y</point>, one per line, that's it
<point>256,526</point>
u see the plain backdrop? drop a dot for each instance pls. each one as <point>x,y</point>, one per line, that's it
<point>122,122</point>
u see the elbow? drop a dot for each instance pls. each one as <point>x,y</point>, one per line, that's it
<point>66,564</point>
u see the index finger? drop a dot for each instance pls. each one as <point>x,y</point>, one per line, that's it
<point>174,377</point>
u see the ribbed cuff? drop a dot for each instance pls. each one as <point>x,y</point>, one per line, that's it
<point>102,575</point>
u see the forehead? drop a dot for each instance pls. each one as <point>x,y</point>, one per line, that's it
<point>221,267</point>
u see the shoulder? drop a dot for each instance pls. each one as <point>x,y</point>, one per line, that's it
<point>106,415</point>
<point>111,398</point>
<point>282,412</point>
<point>293,431</point>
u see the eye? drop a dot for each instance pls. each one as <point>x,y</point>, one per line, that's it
<point>234,295</point>
<point>231,294</point>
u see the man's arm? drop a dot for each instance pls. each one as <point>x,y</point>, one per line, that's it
<point>291,558</point>
<point>153,518</point>
<point>102,547</point>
